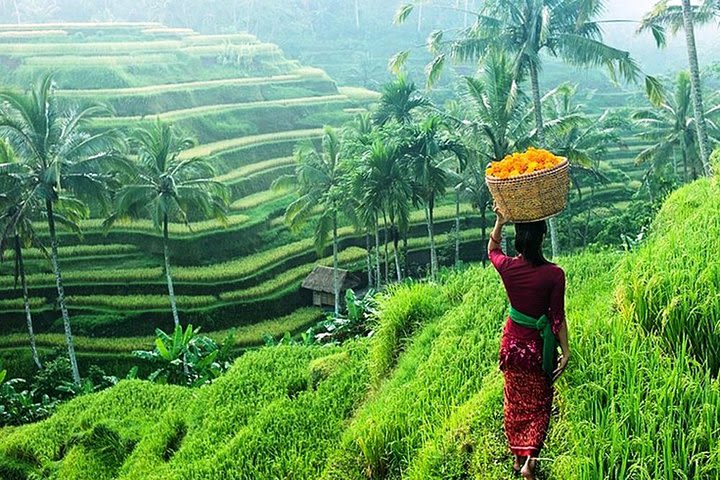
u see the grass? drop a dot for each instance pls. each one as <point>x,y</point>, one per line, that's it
<point>214,39</point>
<point>139,302</point>
<point>422,398</point>
<point>217,109</point>
<point>147,226</point>
<point>210,149</point>
<point>235,175</point>
<point>95,48</point>
<point>245,335</point>
<point>78,251</point>
<point>244,49</point>
<point>182,87</point>
<point>257,199</point>
<point>672,289</point>
<point>99,61</point>
<point>293,277</point>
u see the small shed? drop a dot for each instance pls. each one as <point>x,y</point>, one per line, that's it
<point>320,281</point>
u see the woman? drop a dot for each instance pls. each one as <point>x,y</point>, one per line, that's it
<point>528,352</point>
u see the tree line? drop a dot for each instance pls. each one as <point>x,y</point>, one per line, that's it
<point>406,154</point>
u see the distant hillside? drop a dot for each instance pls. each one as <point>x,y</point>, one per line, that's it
<point>248,106</point>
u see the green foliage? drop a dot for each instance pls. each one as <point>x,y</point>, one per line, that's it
<point>354,324</point>
<point>687,317</point>
<point>186,358</point>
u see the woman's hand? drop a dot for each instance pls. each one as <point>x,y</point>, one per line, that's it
<point>562,364</point>
<point>499,217</point>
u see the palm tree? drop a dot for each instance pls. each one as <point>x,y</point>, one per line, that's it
<point>59,157</point>
<point>398,102</point>
<point>320,178</point>
<point>358,136</point>
<point>426,150</point>
<point>686,16</point>
<point>387,185</point>
<point>16,228</point>
<point>672,133</point>
<point>495,121</point>
<point>528,30</point>
<point>168,187</point>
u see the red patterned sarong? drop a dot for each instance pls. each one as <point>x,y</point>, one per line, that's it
<point>528,401</point>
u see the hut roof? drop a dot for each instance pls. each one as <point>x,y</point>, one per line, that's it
<point>321,280</point>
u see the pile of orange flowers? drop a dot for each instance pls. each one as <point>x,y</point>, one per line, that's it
<point>534,160</point>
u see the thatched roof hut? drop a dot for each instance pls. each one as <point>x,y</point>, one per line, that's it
<point>320,281</point>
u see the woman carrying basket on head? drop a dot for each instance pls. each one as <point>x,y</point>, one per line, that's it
<point>534,328</point>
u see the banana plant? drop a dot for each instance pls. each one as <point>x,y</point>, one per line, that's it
<point>186,358</point>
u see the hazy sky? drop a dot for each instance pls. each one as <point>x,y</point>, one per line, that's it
<point>642,46</point>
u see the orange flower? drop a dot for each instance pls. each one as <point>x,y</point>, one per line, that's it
<point>531,161</point>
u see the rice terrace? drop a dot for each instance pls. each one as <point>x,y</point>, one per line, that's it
<point>359,240</point>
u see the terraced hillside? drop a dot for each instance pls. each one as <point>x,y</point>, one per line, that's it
<point>247,106</point>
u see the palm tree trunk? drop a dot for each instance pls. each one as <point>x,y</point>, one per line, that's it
<point>420,17</point>
<point>17,11</point>
<point>61,293</point>
<point>168,276</point>
<point>377,255</point>
<point>368,248</point>
<point>431,235</point>
<point>396,247</point>
<point>336,276</point>
<point>387,254</point>
<point>26,302</point>
<point>540,127</point>
<point>457,228</point>
<point>406,261</point>
<point>357,14</point>
<point>696,87</point>
<point>171,289</point>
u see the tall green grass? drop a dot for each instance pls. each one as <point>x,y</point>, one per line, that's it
<point>420,399</point>
<point>671,285</point>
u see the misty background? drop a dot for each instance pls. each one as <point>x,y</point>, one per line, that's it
<point>352,39</point>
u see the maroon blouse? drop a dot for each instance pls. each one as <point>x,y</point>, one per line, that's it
<point>533,291</point>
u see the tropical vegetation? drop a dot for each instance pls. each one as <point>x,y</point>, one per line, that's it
<point>164,194</point>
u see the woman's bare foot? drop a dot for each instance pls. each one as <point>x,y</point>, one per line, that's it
<point>518,463</point>
<point>528,470</point>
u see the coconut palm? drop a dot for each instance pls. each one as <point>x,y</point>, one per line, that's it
<point>529,29</point>
<point>320,178</point>
<point>168,186</point>
<point>672,133</point>
<point>427,149</point>
<point>686,16</point>
<point>358,137</point>
<point>387,185</point>
<point>59,159</point>
<point>399,100</point>
<point>16,229</point>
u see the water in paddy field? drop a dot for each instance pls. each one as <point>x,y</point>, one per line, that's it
<point>262,250</point>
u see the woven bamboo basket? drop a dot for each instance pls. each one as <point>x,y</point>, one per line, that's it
<point>534,196</point>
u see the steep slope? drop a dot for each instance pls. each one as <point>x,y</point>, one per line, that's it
<point>421,399</point>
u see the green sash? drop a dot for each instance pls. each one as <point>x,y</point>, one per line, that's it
<point>549,340</point>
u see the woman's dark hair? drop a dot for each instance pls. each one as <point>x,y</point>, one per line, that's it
<point>528,241</point>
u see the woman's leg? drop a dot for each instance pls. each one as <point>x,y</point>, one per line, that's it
<point>528,470</point>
